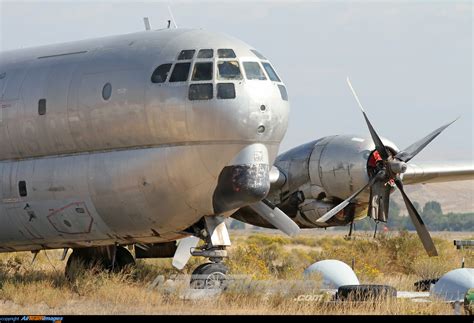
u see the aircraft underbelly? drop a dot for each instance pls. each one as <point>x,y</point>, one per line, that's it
<point>137,195</point>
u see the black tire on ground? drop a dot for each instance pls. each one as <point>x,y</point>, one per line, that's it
<point>209,276</point>
<point>365,292</point>
<point>79,261</point>
<point>425,284</point>
<point>82,260</point>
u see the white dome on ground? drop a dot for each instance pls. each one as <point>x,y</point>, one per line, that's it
<point>453,285</point>
<point>335,273</point>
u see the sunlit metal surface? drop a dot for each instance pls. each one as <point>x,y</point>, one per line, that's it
<point>139,166</point>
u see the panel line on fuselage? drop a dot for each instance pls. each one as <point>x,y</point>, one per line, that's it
<point>165,145</point>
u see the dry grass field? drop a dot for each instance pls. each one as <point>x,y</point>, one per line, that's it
<point>395,259</point>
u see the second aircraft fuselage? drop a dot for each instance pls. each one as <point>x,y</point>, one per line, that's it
<point>125,139</point>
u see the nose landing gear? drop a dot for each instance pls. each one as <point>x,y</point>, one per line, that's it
<point>211,275</point>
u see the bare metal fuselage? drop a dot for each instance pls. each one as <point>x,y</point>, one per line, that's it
<point>141,166</point>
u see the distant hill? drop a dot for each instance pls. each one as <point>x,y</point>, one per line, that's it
<point>456,197</point>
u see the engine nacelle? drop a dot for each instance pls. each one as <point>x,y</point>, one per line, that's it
<point>338,164</point>
<point>315,177</point>
<point>313,209</point>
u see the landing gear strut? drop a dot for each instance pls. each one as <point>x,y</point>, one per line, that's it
<point>109,258</point>
<point>213,274</point>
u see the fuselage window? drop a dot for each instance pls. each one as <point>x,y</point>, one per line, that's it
<point>205,53</point>
<point>283,93</point>
<point>180,72</point>
<point>161,73</point>
<point>202,72</point>
<point>200,91</point>
<point>229,70</point>
<point>225,53</point>
<point>22,188</point>
<point>186,54</point>
<point>253,71</point>
<point>107,91</point>
<point>258,54</point>
<point>225,91</point>
<point>271,72</point>
<point>42,107</point>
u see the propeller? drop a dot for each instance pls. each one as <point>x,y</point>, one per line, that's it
<point>276,217</point>
<point>386,176</point>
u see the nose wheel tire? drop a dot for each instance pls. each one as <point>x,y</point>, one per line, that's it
<point>209,276</point>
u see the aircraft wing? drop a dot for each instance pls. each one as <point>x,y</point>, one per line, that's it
<point>437,172</point>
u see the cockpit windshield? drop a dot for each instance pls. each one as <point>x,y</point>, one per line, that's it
<point>205,53</point>
<point>225,53</point>
<point>229,70</point>
<point>202,72</point>
<point>215,73</point>
<point>253,71</point>
<point>271,72</point>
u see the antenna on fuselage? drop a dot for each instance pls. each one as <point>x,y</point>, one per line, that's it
<point>147,23</point>
<point>172,18</point>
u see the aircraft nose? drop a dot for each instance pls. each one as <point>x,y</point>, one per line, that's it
<point>256,112</point>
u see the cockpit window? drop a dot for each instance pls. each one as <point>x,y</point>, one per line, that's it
<point>180,72</point>
<point>186,54</point>
<point>225,53</point>
<point>225,91</point>
<point>258,54</point>
<point>205,53</point>
<point>161,73</point>
<point>229,70</point>
<point>271,72</point>
<point>200,91</point>
<point>253,71</point>
<point>202,72</point>
<point>283,93</point>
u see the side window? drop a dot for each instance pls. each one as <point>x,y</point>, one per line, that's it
<point>271,72</point>
<point>225,53</point>
<point>22,188</point>
<point>202,72</point>
<point>42,107</point>
<point>229,70</point>
<point>107,91</point>
<point>180,72</point>
<point>283,93</point>
<point>161,73</point>
<point>205,53</point>
<point>253,71</point>
<point>186,54</point>
<point>225,91</point>
<point>200,91</point>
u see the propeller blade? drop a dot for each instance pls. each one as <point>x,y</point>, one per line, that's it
<point>276,217</point>
<point>418,222</point>
<point>344,203</point>
<point>411,151</point>
<point>375,137</point>
<point>183,252</point>
<point>384,204</point>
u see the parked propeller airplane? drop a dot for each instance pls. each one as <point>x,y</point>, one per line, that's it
<point>154,137</point>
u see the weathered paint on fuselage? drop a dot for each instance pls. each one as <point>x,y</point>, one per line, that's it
<point>139,167</point>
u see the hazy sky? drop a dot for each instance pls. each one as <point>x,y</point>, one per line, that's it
<point>410,62</point>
